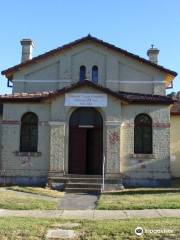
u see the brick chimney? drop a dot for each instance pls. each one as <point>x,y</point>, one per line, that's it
<point>153,54</point>
<point>27,48</point>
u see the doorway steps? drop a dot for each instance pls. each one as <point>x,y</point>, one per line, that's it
<point>74,183</point>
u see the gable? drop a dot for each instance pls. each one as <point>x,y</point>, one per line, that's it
<point>79,41</point>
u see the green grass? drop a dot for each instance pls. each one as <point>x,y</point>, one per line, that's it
<point>37,190</point>
<point>140,199</point>
<point>16,228</point>
<point>16,201</point>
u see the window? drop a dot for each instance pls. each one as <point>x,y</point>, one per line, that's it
<point>82,73</point>
<point>29,133</point>
<point>143,134</point>
<point>95,74</point>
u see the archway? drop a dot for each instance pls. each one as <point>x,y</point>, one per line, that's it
<point>85,141</point>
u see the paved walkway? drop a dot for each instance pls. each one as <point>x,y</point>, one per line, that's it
<point>92,214</point>
<point>72,201</point>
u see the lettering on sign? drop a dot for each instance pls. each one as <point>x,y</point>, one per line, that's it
<point>85,100</point>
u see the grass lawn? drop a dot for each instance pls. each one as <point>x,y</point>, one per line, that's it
<point>36,229</point>
<point>37,190</point>
<point>19,200</point>
<point>147,198</point>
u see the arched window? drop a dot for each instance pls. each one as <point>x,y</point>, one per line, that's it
<point>29,133</point>
<point>143,134</point>
<point>95,74</point>
<point>82,73</point>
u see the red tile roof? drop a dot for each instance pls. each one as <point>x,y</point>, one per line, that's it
<point>125,97</point>
<point>34,60</point>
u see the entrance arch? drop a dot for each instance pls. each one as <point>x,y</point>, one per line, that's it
<point>85,141</point>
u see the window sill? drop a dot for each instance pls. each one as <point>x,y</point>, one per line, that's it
<point>27,154</point>
<point>143,156</point>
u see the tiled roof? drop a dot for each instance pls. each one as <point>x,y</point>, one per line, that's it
<point>125,97</point>
<point>17,67</point>
<point>175,109</point>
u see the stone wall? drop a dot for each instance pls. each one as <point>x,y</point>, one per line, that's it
<point>25,167</point>
<point>118,141</point>
<point>113,150</point>
<point>57,147</point>
<point>175,146</point>
<point>150,169</point>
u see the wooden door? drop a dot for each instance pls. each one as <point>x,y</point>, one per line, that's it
<point>77,151</point>
<point>94,151</point>
<point>85,141</point>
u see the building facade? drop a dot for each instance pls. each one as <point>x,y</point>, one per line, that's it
<point>85,107</point>
<point>175,139</point>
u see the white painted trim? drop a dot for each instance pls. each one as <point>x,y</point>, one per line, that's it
<point>71,81</point>
<point>42,81</point>
<point>131,81</point>
<point>56,123</point>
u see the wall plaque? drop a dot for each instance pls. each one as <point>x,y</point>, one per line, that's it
<point>85,100</point>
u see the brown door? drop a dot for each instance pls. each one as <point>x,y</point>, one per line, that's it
<point>85,142</point>
<point>94,151</point>
<point>77,151</point>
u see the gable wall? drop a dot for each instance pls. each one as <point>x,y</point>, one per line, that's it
<point>116,71</point>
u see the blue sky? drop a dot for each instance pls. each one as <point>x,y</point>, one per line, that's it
<point>131,25</point>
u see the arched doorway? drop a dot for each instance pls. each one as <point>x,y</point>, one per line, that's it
<point>85,141</point>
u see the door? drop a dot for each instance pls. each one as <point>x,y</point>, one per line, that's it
<point>85,142</point>
<point>94,149</point>
<point>77,153</point>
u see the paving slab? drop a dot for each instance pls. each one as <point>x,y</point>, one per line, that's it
<point>78,214</point>
<point>60,234</point>
<point>32,213</point>
<point>78,201</point>
<point>92,214</point>
<point>145,213</point>
<point>109,214</point>
<point>169,212</point>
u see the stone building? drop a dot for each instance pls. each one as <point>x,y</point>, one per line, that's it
<point>175,138</point>
<point>85,109</point>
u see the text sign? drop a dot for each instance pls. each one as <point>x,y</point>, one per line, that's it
<point>85,100</point>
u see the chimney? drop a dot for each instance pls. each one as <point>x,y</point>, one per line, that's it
<point>153,54</point>
<point>27,47</point>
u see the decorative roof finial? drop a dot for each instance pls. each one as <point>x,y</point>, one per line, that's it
<point>152,45</point>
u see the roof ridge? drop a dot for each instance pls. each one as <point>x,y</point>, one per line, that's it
<point>73,43</point>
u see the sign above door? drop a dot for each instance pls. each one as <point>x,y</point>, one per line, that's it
<point>85,100</point>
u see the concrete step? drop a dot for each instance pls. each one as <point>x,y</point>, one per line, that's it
<point>83,185</point>
<point>84,180</point>
<point>77,183</point>
<point>75,180</point>
<point>83,190</point>
<point>82,176</point>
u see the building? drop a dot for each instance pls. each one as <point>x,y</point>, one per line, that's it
<point>85,107</point>
<point>175,139</point>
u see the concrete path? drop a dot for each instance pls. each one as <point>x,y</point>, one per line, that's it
<point>92,214</point>
<point>73,201</point>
